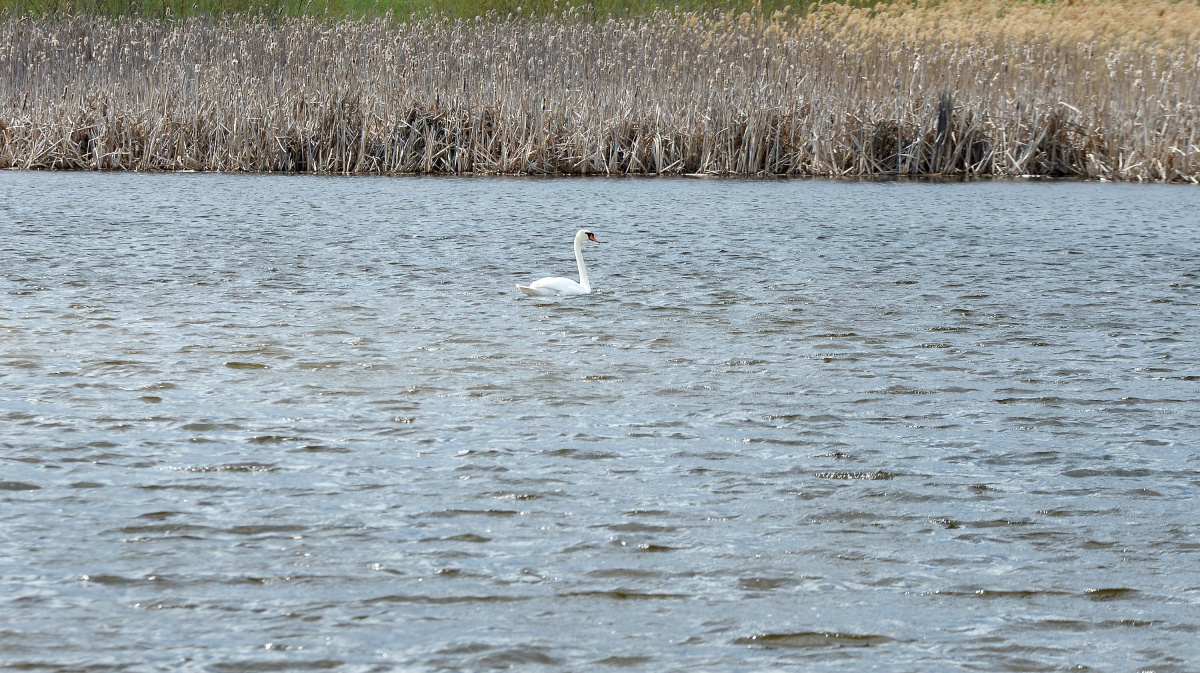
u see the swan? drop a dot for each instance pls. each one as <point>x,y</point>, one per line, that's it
<point>564,287</point>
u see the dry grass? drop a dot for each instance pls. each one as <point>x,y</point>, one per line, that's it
<point>1094,88</point>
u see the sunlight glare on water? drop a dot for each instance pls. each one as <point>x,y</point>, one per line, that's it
<point>292,423</point>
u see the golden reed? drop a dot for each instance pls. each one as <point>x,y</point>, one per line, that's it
<point>1099,89</point>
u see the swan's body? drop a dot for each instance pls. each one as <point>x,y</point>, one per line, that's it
<point>554,287</point>
<point>564,287</point>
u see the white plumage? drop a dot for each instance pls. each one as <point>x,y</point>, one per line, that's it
<point>564,287</point>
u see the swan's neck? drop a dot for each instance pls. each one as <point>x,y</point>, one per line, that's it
<point>583,279</point>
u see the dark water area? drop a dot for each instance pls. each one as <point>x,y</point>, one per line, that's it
<point>291,423</point>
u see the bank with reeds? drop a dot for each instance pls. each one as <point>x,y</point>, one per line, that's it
<point>1093,89</point>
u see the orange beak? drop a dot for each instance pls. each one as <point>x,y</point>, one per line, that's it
<point>592,237</point>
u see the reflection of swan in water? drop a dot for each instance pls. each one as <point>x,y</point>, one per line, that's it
<point>564,287</point>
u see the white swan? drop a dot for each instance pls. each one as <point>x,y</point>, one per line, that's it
<point>564,287</point>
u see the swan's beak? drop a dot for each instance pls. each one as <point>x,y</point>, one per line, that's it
<point>592,238</point>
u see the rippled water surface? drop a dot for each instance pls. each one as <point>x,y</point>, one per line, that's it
<point>289,423</point>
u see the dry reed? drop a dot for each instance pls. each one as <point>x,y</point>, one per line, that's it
<point>1097,88</point>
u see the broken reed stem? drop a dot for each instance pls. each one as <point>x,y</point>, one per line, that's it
<point>918,90</point>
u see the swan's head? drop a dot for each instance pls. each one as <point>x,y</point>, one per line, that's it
<point>584,233</point>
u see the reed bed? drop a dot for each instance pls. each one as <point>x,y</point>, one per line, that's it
<point>1097,89</point>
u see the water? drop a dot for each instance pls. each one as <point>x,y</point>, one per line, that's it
<point>289,423</point>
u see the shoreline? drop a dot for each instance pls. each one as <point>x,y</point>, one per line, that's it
<point>932,91</point>
<point>771,177</point>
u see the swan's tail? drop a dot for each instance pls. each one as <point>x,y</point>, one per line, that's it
<point>528,290</point>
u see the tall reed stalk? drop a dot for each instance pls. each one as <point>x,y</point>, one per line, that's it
<point>1096,89</point>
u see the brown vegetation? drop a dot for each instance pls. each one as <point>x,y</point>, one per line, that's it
<point>1095,88</point>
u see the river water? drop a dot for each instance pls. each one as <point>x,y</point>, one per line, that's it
<point>295,423</point>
